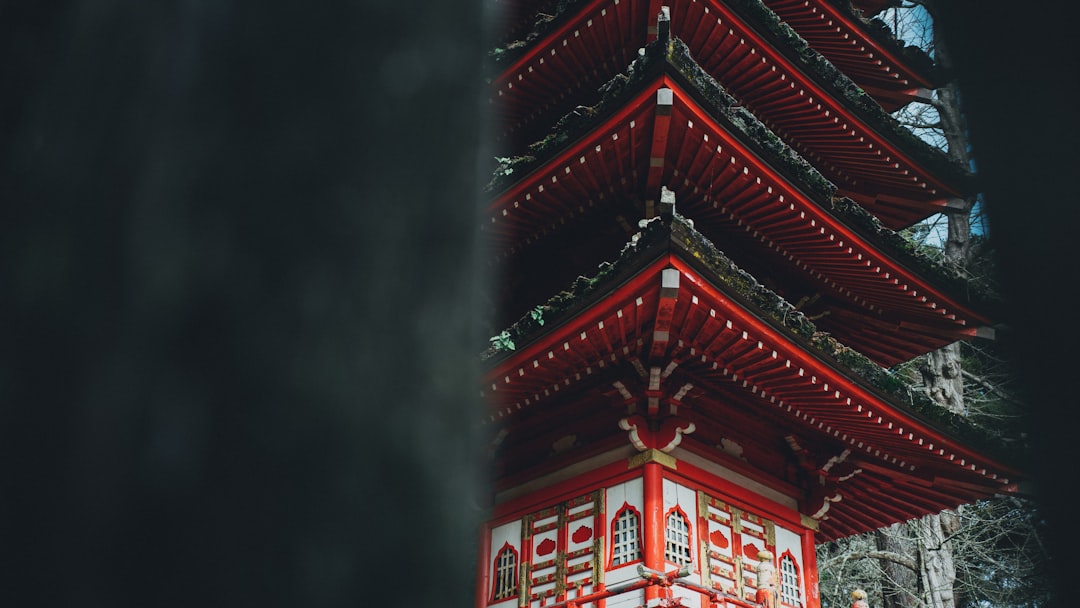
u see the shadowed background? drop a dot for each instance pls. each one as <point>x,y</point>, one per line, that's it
<point>240,291</point>
<point>238,294</point>
<point>1018,66</point>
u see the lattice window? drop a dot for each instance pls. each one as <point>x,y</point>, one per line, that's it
<point>789,582</point>
<point>625,537</point>
<point>677,547</point>
<point>505,574</point>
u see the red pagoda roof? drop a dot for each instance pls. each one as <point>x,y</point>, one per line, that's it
<point>892,74</point>
<point>772,212</point>
<point>673,328</point>
<point>761,62</point>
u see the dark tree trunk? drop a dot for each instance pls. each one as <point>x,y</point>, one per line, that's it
<point>941,375</point>
<point>941,371</point>
<point>900,584</point>
<point>936,558</point>
<point>934,586</point>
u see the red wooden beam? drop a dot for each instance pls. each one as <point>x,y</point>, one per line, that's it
<point>658,149</point>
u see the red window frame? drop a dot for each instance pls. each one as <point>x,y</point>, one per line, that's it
<point>798,579</point>
<point>495,574</point>
<point>689,533</point>
<point>641,549</point>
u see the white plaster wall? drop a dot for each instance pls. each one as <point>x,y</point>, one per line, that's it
<point>690,599</point>
<point>686,499</point>
<point>787,540</point>
<point>632,599</point>
<point>506,533</point>
<point>630,492</point>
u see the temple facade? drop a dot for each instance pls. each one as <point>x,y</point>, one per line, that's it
<point>700,294</point>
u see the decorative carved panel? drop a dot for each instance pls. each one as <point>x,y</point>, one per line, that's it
<point>566,543</point>
<point>730,541</point>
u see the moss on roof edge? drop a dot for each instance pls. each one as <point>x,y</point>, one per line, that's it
<point>723,107</point>
<point>505,54</point>
<point>814,63</point>
<point>876,28</point>
<point>713,96</point>
<point>655,237</point>
<point>785,39</point>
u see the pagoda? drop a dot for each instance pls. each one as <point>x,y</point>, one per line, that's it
<point>700,292</point>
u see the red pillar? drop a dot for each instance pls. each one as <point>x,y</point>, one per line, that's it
<point>810,572</point>
<point>653,525</point>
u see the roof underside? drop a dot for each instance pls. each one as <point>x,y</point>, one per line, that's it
<point>775,228</point>
<point>698,350</point>
<point>855,147</point>
<point>877,66</point>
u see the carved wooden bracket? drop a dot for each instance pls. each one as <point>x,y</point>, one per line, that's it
<point>667,435</point>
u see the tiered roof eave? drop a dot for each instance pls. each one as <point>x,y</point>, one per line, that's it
<point>833,123</point>
<point>839,245</point>
<point>820,388</point>
<point>865,49</point>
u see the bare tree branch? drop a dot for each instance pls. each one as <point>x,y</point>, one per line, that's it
<point>889,556</point>
<point>989,386</point>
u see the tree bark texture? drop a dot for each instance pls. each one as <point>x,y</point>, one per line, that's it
<point>941,374</point>
<point>900,583</point>
<point>936,557</point>
<point>954,128</point>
